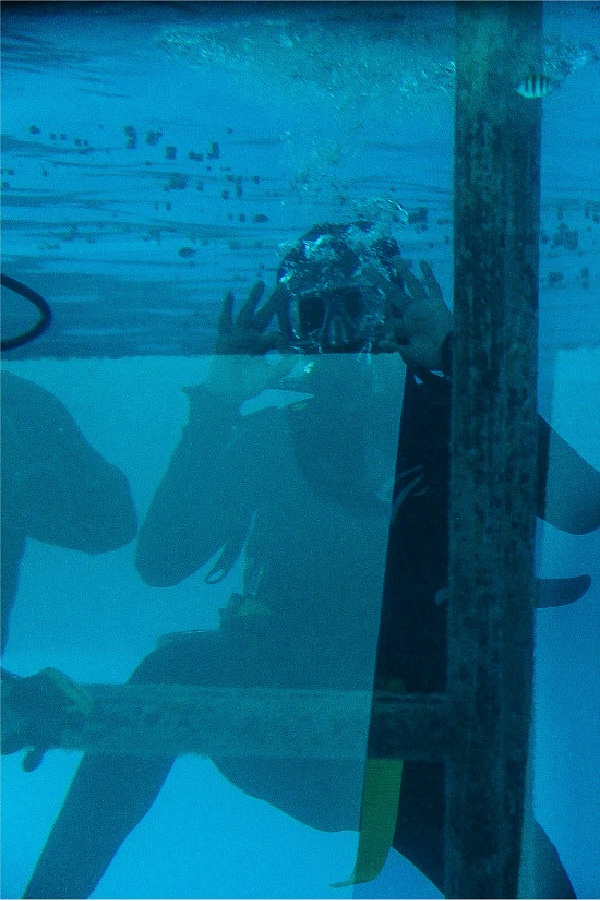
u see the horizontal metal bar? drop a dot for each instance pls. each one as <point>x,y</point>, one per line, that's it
<point>231,722</point>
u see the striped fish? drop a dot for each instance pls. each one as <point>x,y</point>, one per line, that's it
<point>534,87</point>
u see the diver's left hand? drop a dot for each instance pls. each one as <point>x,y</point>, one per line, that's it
<point>426,319</point>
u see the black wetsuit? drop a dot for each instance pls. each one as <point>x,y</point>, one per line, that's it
<point>277,634</point>
<point>412,641</point>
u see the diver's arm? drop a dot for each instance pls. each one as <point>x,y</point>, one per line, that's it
<point>569,486</point>
<point>204,499</point>
<point>569,489</point>
<point>212,485</point>
<point>66,492</point>
<point>572,497</point>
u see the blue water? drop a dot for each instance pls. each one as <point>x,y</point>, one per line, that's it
<point>316,121</point>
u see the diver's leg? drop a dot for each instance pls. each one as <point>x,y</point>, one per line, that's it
<point>550,876</point>
<point>108,797</point>
<point>110,794</point>
<point>419,832</point>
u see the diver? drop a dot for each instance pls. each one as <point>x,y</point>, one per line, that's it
<point>57,489</point>
<point>298,491</point>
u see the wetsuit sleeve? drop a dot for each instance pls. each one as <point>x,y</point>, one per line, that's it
<point>62,490</point>
<point>204,500</point>
<point>569,486</point>
<point>544,433</point>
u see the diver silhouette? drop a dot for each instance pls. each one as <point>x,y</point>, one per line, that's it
<point>297,490</point>
<point>56,487</point>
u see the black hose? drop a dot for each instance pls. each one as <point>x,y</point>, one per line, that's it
<point>39,303</point>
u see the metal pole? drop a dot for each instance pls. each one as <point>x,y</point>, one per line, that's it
<point>235,722</point>
<point>494,462</point>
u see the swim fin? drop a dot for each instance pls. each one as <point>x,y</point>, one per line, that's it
<point>558,592</point>
<point>379,811</point>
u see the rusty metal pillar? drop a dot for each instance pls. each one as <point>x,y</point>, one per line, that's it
<point>494,466</point>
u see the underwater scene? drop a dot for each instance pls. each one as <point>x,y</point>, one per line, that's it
<point>227,294</point>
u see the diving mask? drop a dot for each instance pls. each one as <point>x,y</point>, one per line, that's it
<point>343,288</point>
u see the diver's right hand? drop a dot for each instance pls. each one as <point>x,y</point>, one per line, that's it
<point>38,710</point>
<point>239,368</point>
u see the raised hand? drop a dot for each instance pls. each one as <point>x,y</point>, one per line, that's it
<point>425,321</point>
<point>239,368</point>
<point>246,333</point>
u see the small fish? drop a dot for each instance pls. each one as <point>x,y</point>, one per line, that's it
<point>535,86</point>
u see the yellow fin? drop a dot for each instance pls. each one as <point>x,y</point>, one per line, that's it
<point>379,811</point>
